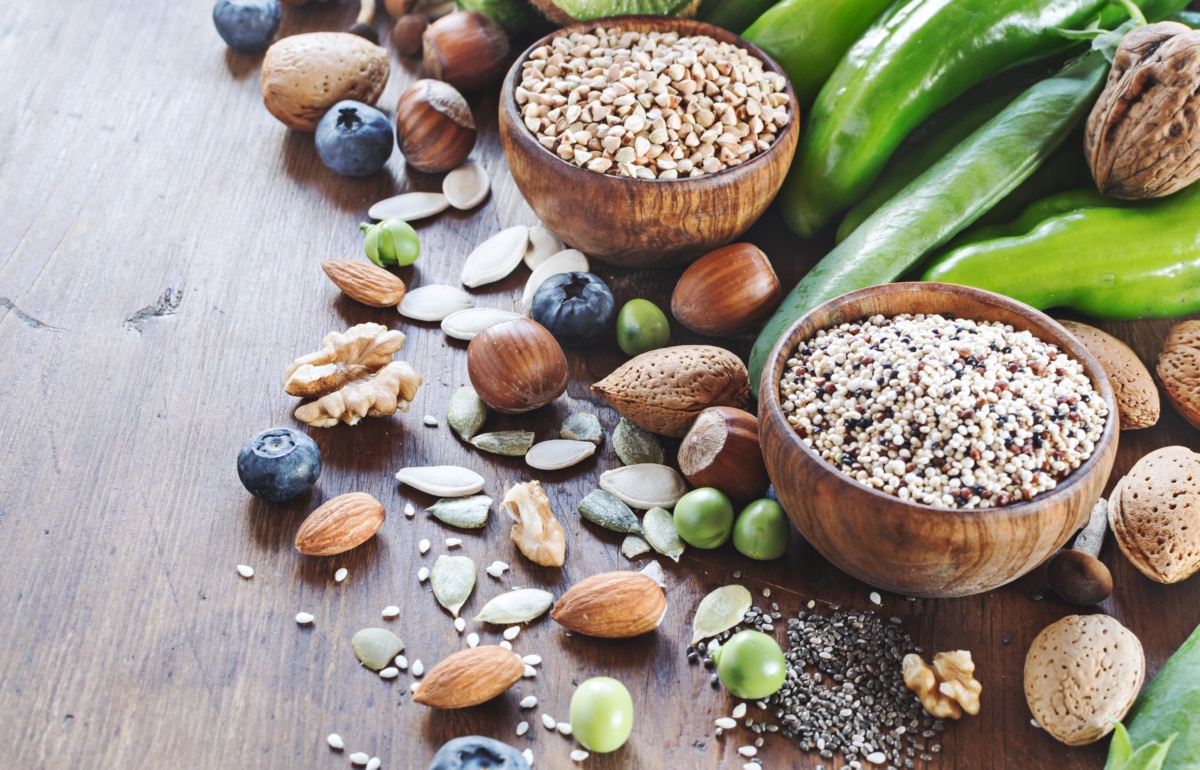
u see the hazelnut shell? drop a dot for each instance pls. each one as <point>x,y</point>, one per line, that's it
<point>722,450</point>
<point>434,126</point>
<point>727,292</point>
<point>466,49</point>
<point>516,366</point>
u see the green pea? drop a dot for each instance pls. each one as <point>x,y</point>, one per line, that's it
<point>641,326</point>
<point>761,530</point>
<point>601,714</point>
<point>391,242</point>
<point>704,517</point>
<point>751,665</point>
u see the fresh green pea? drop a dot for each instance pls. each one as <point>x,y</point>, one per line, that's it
<point>704,517</point>
<point>751,665</point>
<point>761,530</point>
<point>601,714</point>
<point>641,326</point>
<point>391,242</point>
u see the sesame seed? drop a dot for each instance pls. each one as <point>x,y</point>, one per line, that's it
<point>374,763</point>
<point>359,758</point>
<point>532,660</point>
<point>341,574</point>
<point>511,632</point>
<point>390,612</point>
<point>460,625</point>
<point>549,722</point>
<point>876,598</point>
<point>335,742</point>
<point>725,723</point>
<point>418,668</point>
<point>430,421</point>
<point>391,672</point>
<point>304,618</point>
<point>409,511</point>
<point>530,672</point>
<point>747,751</point>
<point>564,728</point>
<point>528,754</point>
<point>401,662</point>
<point>422,574</point>
<point>739,711</point>
<point>522,728</point>
<point>506,644</point>
<point>453,542</point>
<point>529,701</point>
<point>424,546</point>
<point>496,569</point>
<point>472,639</point>
<point>413,687</point>
<point>245,571</point>
<point>578,755</point>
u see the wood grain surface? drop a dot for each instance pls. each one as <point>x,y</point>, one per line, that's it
<point>159,267</point>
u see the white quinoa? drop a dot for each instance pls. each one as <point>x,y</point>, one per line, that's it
<point>943,411</point>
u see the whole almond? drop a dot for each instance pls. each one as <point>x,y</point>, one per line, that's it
<point>611,605</point>
<point>1154,511</point>
<point>664,390</point>
<point>365,282</point>
<point>340,524</point>
<point>1179,370</point>
<point>1134,388</point>
<point>470,677</point>
<point>727,292</point>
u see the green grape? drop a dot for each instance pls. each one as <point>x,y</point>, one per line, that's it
<point>704,517</point>
<point>601,714</point>
<point>761,530</point>
<point>641,327</point>
<point>751,665</point>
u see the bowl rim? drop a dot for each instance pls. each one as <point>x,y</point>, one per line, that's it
<point>1074,348</point>
<point>508,90</point>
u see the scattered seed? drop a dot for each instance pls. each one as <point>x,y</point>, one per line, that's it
<point>376,647</point>
<point>359,758</point>
<point>605,510</point>
<point>522,728</point>
<point>466,324</point>
<point>413,687</point>
<point>409,206</point>
<point>460,625</point>
<point>391,672</point>
<point>543,244</point>
<point>564,728</point>
<point>507,443</point>
<point>529,701</point>
<point>430,421</point>
<point>434,302</point>
<point>341,574</point>
<point>245,571</point>
<point>505,644</point>
<point>633,546</point>
<point>520,606</point>
<point>304,618</point>
<point>876,757</point>
<point>423,573</point>
<point>530,672</point>
<point>739,711</point>
<point>766,592</point>
<point>335,741</point>
<point>578,755</point>
<point>658,526</point>
<point>549,721</point>
<point>747,751</point>
<point>472,640</point>
<point>374,763</point>
<point>876,599</point>
<point>511,632</point>
<point>401,662</point>
<point>654,571</point>
<point>466,412</point>
<point>532,660</point>
<point>463,512</point>
<point>390,612</point>
<point>644,486</point>
<point>442,480</point>
<point>559,453</point>
<point>452,580</point>
<point>496,257</point>
<point>418,668</point>
<point>528,754</point>
<point>719,611</point>
<point>409,510</point>
<point>635,445</point>
<point>424,546</point>
<point>582,426</point>
<point>466,186</point>
<point>453,542</point>
<point>496,569</point>
<point>725,723</point>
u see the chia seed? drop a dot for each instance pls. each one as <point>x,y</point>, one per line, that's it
<point>950,413</point>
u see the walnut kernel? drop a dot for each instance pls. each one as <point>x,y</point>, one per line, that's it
<point>948,688</point>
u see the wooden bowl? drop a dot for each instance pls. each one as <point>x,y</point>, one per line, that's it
<point>911,548</point>
<point>642,222</point>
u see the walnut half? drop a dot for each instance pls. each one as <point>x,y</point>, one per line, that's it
<point>948,688</point>
<point>536,532</point>
<point>390,389</point>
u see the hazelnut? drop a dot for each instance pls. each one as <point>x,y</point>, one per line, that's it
<point>398,8</point>
<point>727,292</point>
<point>434,126</point>
<point>722,450</point>
<point>466,49</point>
<point>516,366</point>
<point>407,33</point>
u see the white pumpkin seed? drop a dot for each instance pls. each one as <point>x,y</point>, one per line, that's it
<point>463,512</point>
<point>558,453</point>
<point>566,261</point>
<point>375,647</point>
<point>465,324</point>
<point>516,607</point>
<point>644,485</point>
<point>635,445</point>
<point>409,206</point>
<point>633,546</point>
<point>466,186</point>
<point>720,611</point>
<point>496,257</point>
<point>496,569</point>
<point>658,526</point>
<point>452,579</point>
<point>434,302</point>
<point>442,480</point>
<point>543,244</point>
<point>466,412</point>
<point>606,510</point>
<point>582,426</point>
<point>509,443</point>
<point>654,571</point>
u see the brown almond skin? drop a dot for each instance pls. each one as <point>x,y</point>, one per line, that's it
<point>727,292</point>
<point>469,677</point>
<point>340,524</point>
<point>466,49</point>
<point>365,282</point>
<point>722,450</point>
<point>611,605</point>
<point>304,75</point>
<point>516,366</point>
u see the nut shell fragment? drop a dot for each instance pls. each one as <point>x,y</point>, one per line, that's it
<point>612,605</point>
<point>470,677</point>
<point>536,532</point>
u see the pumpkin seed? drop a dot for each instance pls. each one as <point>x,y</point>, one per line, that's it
<point>582,426</point>
<point>645,485</point>
<point>510,443</point>
<point>633,546</point>
<point>452,579</point>
<point>635,445</point>
<point>720,611</point>
<point>442,480</point>
<point>605,510</point>
<point>434,302</point>
<point>466,412</point>
<point>463,512</point>
<point>376,647</point>
<point>660,532</point>
<point>466,186</point>
<point>520,606</point>
<point>496,257</point>
<point>465,324</point>
<point>558,453</point>
<point>409,206</point>
<point>654,571</point>
<point>543,244</point>
<point>566,261</point>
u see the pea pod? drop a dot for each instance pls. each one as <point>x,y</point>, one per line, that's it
<point>915,58</point>
<point>1113,261</point>
<point>950,195</point>
<point>733,15</point>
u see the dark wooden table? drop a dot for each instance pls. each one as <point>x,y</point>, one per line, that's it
<point>161,240</point>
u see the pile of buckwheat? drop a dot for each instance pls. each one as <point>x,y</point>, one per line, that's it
<point>946,412</point>
<point>650,106</point>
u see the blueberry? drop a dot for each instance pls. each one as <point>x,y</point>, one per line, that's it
<point>577,308</point>
<point>477,752</point>
<point>354,139</point>
<point>279,464</point>
<point>247,25</point>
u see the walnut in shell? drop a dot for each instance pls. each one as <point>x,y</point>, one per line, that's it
<point>1142,138</point>
<point>1179,370</point>
<point>1136,394</point>
<point>1154,512</point>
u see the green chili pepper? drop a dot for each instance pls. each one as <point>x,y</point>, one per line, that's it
<point>918,56</point>
<point>950,195</point>
<point>1112,261</point>
<point>808,37</point>
<point>733,15</point>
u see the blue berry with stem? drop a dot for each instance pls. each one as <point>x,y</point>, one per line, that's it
<point>279,464</point>
<point>247,25</point>
<point>354,139</point>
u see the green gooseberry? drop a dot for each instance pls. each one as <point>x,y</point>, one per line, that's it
<point>391,242</point>
<point>601,714</point>
<point>641,327</point>
<point>751,665</point>
<point>761,530</point>
<point>704,517</point>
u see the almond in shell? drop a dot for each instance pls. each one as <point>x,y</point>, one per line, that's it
<point>1154,512</point>
<point>611,605</point>
<point>340,524</point>
<point>304,75</point>
<point>1179,370</point>
<point>470,677</point>
<point>1136,394</point>
<point>365,282</point>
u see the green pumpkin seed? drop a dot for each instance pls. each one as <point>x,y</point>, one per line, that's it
<point>466,412</point>
<point>720,611</point>
<point>633,546</point>
<point>510,443</point>
<point>635,445</point>
<point>520,606</point>
<point>605,510</point>
<point>463,512</point>
<point>452,579</point>
<point>582,426</point>
<point>658,526</point>
<point>376,647</point>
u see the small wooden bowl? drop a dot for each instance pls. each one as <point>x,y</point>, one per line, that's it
<point>906,547</point>
<point>643,222</point>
